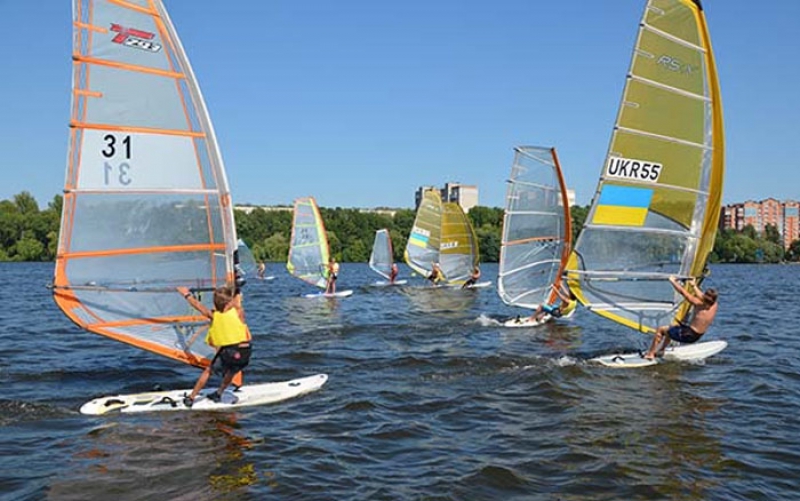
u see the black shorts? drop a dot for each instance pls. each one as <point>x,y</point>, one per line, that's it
<point>683,334</point>
<point>231,358</point>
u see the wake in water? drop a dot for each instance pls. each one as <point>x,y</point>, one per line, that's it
<point>486,321</point>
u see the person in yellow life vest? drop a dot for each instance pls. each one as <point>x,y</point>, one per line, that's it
<point>333,274</point>
<point>436,274</point>
<point>568,303</point>
<point>228,333</point>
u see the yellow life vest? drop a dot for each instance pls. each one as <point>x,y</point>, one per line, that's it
<point>571,305</point>
<point>227,329</point>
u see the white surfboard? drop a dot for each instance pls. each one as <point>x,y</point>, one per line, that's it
<point>344,293</point>
<point>476,285</point>
<point>386,283</point>
<point>247,395</point>
<point>526,321</point>
<point>680,353</point>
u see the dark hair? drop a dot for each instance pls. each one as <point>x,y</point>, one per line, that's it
<point>710,296</point>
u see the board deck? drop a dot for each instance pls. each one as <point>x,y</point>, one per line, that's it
<point>526,321</point>
<point>343,293</point>
<point>682,353</point>
<point>477,285</point>
<point>385,283</point>
<point>247,395</point>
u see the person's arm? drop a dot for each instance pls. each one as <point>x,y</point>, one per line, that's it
<point>696,288</point>
<point>560,292</point>
<point>197,305</point>
<point>683,292</point>
<point>236,302</point>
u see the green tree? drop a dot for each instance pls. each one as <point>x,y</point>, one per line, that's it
<point>275,248</point>
<point>29,249</point>
<point>772,234</point>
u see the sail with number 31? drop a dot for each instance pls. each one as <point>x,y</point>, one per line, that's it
<point>146,200</point>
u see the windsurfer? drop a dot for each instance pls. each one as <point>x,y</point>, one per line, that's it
<point>568,303</point>
<point>704,305</point>
<point>333,274</point>
<point>473,278</point>
<point>228,333</point>
<point>262,268</point>
<point>393,273</point>
<point>436,274</point>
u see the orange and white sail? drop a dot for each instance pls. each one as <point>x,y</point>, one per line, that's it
<point>537,229</point>
<point>146,201</point>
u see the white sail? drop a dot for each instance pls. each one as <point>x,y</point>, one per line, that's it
<point>381,259</point>
<point>247,264</point>
<point>146,200</point>
<point>537,229</point>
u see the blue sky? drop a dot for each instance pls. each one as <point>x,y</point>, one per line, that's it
<point>358,102</point>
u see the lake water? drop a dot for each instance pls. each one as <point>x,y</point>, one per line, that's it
<point>428,398</point>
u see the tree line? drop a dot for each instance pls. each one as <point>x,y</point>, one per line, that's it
<point>28,233</point>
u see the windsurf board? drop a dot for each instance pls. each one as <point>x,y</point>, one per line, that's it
<point>680,353</point>
<point>245,396</point>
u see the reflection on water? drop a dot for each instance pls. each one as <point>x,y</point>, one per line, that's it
<point>123,460</point>
<point>442,301</point>
<point>312,313</point>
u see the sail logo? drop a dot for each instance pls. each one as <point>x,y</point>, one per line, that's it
<point>448,245</point>
<point>131,37</point>
<point>638,170</point>
<point>675,65</point>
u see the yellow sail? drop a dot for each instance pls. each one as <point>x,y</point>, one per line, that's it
<point>657,204</point>
<point>422,247</point>
<point>458,249</point>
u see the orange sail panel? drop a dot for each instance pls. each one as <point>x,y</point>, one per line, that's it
<point>146,204</point>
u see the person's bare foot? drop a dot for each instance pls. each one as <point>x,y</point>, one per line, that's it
<point>649,356</point>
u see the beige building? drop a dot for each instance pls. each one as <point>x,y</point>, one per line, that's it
<point>465,195</point>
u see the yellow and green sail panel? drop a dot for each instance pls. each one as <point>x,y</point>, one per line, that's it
<point>657,205</point>
<point>146,200</point>
<point>308,248</point>
<point>458,248</point>
<point>537,229</point>
<point>422,246</point>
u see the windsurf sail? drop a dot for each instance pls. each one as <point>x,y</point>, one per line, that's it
<point>308,248</point>
<point>381,258</point>
<point>458,248</point>
<point>247,262</point>
<point>537,229</point>
<point>146,201</point>
<point>422,248</point>
<point>657,204</point>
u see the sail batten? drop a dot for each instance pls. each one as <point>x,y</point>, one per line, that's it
<point>146,201</point>
<point>657,204</point>
<point>536,229</point>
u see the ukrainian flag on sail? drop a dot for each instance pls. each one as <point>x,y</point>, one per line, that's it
<point>418,239</point>
<point>622,205</point>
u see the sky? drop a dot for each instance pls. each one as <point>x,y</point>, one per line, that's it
<point>359,102</point>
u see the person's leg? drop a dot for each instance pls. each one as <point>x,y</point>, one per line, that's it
<point>658,337</point>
